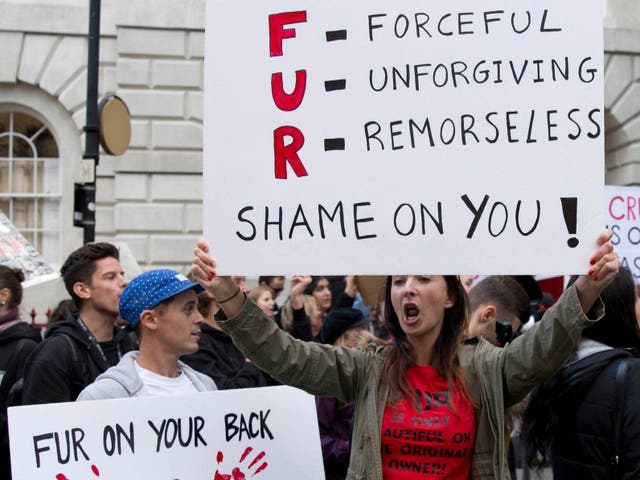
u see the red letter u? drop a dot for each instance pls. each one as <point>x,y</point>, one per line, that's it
<point>288,101</point>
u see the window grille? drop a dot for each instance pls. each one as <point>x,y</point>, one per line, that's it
<point>30,180</point>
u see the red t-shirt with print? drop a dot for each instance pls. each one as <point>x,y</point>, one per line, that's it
<point>433,442</point>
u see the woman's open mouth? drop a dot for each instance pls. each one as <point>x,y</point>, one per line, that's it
<point>411,313</point>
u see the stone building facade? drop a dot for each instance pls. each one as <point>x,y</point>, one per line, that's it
<point>151,55</point>
<point>622,92</point>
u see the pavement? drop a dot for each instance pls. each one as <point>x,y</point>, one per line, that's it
<point>544,474</point>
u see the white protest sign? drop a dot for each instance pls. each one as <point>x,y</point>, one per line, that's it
<point>623,218</point>
<point>267,433</point>
<point>374,137</point>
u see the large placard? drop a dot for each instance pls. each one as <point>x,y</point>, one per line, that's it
<point>623,218</point>
<point>374,137</point>
<point>267,433</point>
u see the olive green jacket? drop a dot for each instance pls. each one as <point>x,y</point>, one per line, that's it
<point>496,377</point>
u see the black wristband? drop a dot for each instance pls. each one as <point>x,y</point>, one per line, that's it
<point>220,302</point>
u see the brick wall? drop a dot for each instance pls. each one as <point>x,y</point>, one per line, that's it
<point>622,103</point>
<point>153,193</point>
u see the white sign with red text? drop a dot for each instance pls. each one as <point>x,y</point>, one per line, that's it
<point>265,434</point>
<point>623,218</point>
<point>374,137</point>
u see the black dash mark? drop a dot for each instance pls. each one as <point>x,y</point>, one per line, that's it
<point>334,35</point>
<point>331,85</point>
<point>333,144</point>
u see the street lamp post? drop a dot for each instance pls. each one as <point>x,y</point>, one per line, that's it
<point>85,193</point>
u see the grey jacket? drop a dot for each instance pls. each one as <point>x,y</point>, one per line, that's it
<point>122,381</point>
<point>496,377</point>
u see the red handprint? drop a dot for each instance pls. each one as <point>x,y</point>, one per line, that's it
<point>236,473</point>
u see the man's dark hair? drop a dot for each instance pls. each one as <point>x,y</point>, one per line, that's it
<point>503,291</point>
<point>81,264</point>
<point>267,279</point>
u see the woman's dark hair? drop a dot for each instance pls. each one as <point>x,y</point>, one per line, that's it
<point>314,281</point>
<point>12,278</point>
<point>618,328</point>
<point>445,352</point>
<point>65,309</point>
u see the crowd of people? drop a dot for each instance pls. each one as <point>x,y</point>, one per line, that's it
<point>432,380</point>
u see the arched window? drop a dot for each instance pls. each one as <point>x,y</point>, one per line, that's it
<point>30,179</point>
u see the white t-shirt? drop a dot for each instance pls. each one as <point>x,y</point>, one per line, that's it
<point>154,385</point>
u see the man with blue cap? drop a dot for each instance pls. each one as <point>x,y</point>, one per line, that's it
<point>161,305</point>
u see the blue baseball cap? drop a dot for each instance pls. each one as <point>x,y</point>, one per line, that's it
<point>149,289</point>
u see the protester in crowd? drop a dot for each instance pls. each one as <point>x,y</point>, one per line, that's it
<point>344,290</point>
<point>320,289</point>
<point>546,300</point>
<point>275,283</point>
<point>241,281</point>
<point>17,338</point>
<point>378,326</point>
<point>467,281</point>
<point>586,418</point>
<point>77,350</point>
<point>300,315</point>
<point>17,341</point>
<point>218,357</point>
<point>263,297</point>
<point>498,304</point>
<point>162,307</point>
<point>425,393</point>
<point>309,313</point>
<point>343,327</point>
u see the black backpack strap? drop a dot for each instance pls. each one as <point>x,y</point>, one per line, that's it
<point>74,352</point>
<point>618,414</point>
<point>79,373</point>
<point>12,367</point>
<point>14,396</point>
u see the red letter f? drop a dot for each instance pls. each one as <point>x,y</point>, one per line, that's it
<point>277,33</point>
